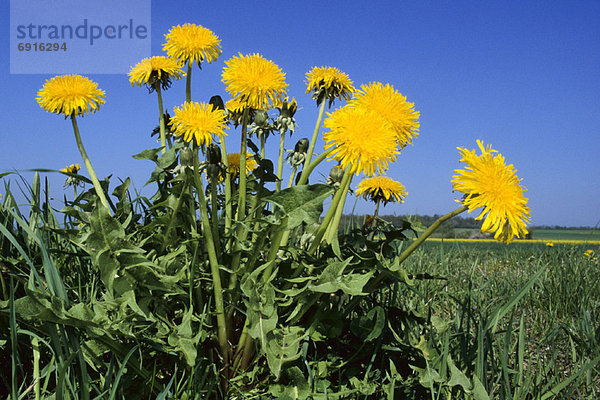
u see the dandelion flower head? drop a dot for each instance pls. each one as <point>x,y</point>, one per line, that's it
<point>393,107</point>
<point>330,83</point>
<point>489,183</point>
<point>360,138</point>
<point>198,121</point>
<point>192,43</point>
<point>381,188</point>
<point>71,169</point>
<point>254,81</point>
<point>70,95</point>
<point>155,70</point>
<point>233,159</point>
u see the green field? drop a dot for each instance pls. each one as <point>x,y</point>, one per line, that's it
<point>546,234</point>
<point>566,234</point>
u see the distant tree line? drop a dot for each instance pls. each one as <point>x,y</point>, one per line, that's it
<point>457,227</point>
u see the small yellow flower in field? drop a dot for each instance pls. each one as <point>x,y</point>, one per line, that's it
<point>487,182</point>
<point>254,81</point>
<point>393,107</point>
<point>233,159</point>
<point>70,95</point>
<point>360,138</point>
<point>381,188</point>
<point>589,253</point>
<point>192,43</point>
<point>549,244</point>
<point>198,121</point>
<point>154,71</point>
<point>72,169</point>
<point>328,83</point>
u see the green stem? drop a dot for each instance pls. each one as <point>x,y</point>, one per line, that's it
<point>333,227</point>
<point>263,142</point>
<point>330,213</point>
<point>292,176</point>
<point>36,366</point>
<point>173,219</point>
<point>241,210</point>
<point>376,213</point>
<point>313,141</point>
<point>308,169</point>
<point>188,83</point>
<point>228,208</point>
<point>161,120</point>
<point>280,161</point>
<point>214,211</point>
<point>428,233</point>
<point>214,264</point>
<point>88,164</point>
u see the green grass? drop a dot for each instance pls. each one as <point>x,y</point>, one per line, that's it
<point>566,234</point>
<point>560,314</point>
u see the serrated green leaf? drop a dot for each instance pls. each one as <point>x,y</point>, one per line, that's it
<point>333,279</point>
<point>457,377</point>
<point>301,203</point>
<point>296,389</point>
<point>479,391</point>
<point>283,345</point>
<point>370,326</point>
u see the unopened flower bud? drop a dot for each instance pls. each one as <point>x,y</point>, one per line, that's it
<point>335,176</point>
<point>217,103</point>
<point>186,157</point>
<point>301,146</point>
<point>261,118</point>
<point>213,154</point>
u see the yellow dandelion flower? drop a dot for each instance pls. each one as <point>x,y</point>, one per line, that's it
<point>71,169</point>
<point>198,121</point>
<point>192,43</point>
<point>381,188</point>
<point>330,83</point>
<point>155,70</point>
<point>70,94</point>
<point>393,107</point>
<point>233,159</point>
<point>360,138</point>
<point>254,81</point>
<point>549,244</point>
<point>589,253</point>
<point>487,182</point>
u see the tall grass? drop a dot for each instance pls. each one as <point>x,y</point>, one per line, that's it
<point>456,321</point>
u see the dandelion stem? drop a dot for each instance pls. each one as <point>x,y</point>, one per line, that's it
<point>428,232</point>
<point>214,264</point>
<point>161,120</point>
<point>228,207</point>
<point>308,169</point>
<point>291,181</point>
<point>241,210</point>
<point>188,83</point>
<point>263,142</point>
<point>280,161</point>
<point>335,223</point>
<point>331,212</point>
<point>313,141</point>
<point>88,164</point>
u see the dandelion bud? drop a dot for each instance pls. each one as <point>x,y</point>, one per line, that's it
<point>288,109</point>
<point>186,157</point>
<point>301,146</point>
<point>261,118</point>
<point>335,176</point>
<point>213,154</point>
<point>217,103</point>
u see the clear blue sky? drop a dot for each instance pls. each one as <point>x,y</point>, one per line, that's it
<point>523,76</point>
